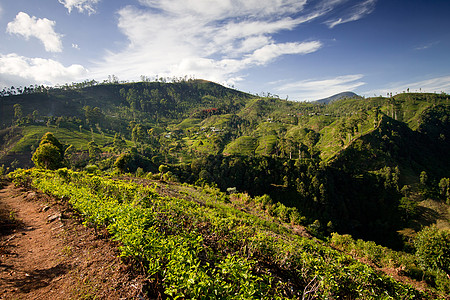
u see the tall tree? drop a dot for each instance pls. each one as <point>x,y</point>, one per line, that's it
<point>18,112</point>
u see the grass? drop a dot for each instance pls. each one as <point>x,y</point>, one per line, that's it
<point>440,210</point>
<point>201,145</point>
<point>188,123</point>
<point>218,121</point>
<point>244,145</point>
<point>33,134</point>
<point>266,144</point>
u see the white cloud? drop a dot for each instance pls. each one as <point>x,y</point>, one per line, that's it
<point>214,39</point>
<point>267,53</point>
<point>81,5</point>
<point>42,29</point>
<point>318,89</point>
<point>354,13</point>
<point>426,46</point>
<point>223,9</point>
<point>37,70</point>
<point>432,85</point>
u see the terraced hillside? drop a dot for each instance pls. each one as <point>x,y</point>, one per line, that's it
<point>376,168</point>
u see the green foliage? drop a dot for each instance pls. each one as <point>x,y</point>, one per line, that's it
<point>163,168</point>
<point>94,150</point>
<point>341,164</point>
<point>18,111</point>
<point>49,154</point>
<point>91,169</point>
<point>94,115</point>
<point>444,189</point>
<point>408,208</point>
<point>433,254</point>
<point>419,267</point>
<point>49,138</point>
<point>244,145</point>
<point>129,162</point>
<point>119,144</point>
<point>433,248</point>
<point>206,249</point>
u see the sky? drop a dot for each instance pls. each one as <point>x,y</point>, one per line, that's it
<point>301,50</point>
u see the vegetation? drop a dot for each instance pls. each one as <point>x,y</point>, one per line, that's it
<point>364,175</point>
<point>207,248</point>
<point>49,154</point>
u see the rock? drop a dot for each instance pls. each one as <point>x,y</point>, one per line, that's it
<point>54,217</point>
<point>30,196</point>
<point>45,208</point>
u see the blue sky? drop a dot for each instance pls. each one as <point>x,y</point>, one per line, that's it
<point>304,50</point>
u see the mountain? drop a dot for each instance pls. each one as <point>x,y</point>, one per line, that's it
<point>295,152</point>
<point>336,97</point>
<point>376,168</point>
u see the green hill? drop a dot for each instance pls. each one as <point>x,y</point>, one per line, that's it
<point>375,168</point>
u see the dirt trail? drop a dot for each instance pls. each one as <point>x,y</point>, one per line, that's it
<point>45,253</point>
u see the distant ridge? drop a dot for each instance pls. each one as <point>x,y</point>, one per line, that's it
<point>336,97</point>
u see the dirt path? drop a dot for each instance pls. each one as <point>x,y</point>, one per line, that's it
<point>45,253</point>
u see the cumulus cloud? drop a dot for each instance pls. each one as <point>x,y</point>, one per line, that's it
<point>38,70</point>
<point>81,5</point>
<point>42,29</point>
<point>354,13</point>
<point>318,89</point>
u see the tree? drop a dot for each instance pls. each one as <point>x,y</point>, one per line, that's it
<point>70,154</point>
<point>50,138</point>
<point>94,150</point>
<point>18,111</point>
<point>93,115</point>
<point>444,189</point>
<point>49,154</point>
<point>423,178</point>
<point>424,184</point>
<point>122,162</point>
<point>119,143</point>
<point>35,115</point>
<point>138,134</point>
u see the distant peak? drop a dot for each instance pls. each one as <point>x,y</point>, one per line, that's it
<point>343,95</point>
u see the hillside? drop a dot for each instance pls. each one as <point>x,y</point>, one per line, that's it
<point>375,168</point>
<point>46,253</point>
<point>203,243</point>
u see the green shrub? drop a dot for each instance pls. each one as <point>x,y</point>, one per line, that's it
<point>172,239</point>
<point>92,169</point>
<point>433,249</point>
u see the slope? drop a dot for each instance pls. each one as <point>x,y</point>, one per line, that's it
<point>208,244</point>
<point>47,254</point>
